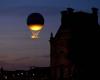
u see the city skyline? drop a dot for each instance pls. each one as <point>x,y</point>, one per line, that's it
<point>17,49</point>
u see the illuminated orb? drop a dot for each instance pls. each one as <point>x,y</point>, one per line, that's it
<point>35,23</point>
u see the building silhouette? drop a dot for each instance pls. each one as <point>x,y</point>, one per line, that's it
<point>75,47</point>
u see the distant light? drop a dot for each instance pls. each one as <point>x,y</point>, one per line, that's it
<point>5,77</point>
<point>18,74</point>
<point>33,74</point>
<point>13,75</point>
<point>21,73</point>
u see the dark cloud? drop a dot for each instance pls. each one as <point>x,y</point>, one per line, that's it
<point>44,56</point>
<point>22,59</point>
<point>6,64</point>
<point>3,62</point>
<point>13,66</point>
<point>3,56</point>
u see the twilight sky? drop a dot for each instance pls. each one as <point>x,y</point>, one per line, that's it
<point>17,49</point>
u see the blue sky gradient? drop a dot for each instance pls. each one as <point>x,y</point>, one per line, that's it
<point>17,49</point>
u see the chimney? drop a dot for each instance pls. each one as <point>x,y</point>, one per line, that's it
<point>94,11</point>
<point>70,10</point>
<point>95,14</point>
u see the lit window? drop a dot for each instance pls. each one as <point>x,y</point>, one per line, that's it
<point>5,77</point>
<point>33,74</point>
<point>21,73</point>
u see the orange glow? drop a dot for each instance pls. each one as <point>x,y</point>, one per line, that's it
<point>35,27</point>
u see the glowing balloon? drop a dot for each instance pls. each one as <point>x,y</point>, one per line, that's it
<point>35,22</point>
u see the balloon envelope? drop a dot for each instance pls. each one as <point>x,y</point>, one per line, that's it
<point>35,23</point>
